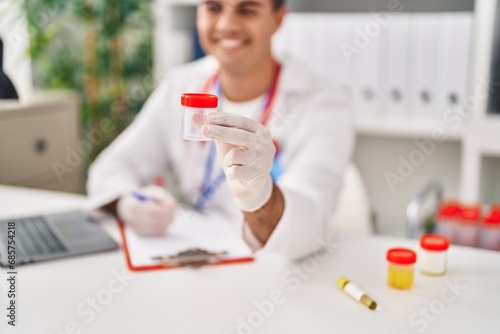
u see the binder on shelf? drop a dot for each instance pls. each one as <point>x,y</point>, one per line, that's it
<point>314,46</point>
<point>339,33</point>
<point>456,31</point>
<point>279,43</point>
<point>423,65</point>
<point>305,37</point>
<point>295,35</point>
<point>316,40</point>
<point>395,54</point>
<point>366,68</point>
<point>192,240</point>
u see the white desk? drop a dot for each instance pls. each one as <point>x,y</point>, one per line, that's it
<point>214,299</point>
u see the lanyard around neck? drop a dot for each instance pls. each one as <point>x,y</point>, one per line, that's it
<point>214,82</point>
<point>209,187</point>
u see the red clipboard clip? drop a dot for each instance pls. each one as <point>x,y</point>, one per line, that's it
<point>194,258</point>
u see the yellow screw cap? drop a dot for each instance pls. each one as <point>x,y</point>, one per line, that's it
<point>342,281</point>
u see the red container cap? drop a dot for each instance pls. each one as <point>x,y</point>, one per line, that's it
<point>449,210</point>
<point>495,210</point>
<point>198,100</point>
<point>401,256</point>
<point>434,242</point>
<point>493,217</point>
<point>470,214</point>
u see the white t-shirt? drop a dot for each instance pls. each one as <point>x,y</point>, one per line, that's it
<point>251,109</point>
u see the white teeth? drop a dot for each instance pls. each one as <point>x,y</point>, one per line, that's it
<point>231,43</point>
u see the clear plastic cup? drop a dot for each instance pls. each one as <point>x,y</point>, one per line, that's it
<point>195,110</point>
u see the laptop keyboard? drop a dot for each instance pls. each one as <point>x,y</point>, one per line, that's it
<point>34,237</point>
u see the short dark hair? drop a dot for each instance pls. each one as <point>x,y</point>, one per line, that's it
<point>278,3</point>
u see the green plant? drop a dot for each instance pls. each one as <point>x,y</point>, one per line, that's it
<point>101,49</point>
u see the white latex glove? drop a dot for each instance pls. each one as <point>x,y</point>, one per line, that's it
<point>246,153</point>
<point>149,217</point>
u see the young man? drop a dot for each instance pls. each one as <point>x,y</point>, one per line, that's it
<point>282,139</point>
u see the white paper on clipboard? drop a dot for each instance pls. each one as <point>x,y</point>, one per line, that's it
<point>190,229</point>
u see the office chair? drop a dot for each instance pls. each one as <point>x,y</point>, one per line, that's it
<point>353,214</point>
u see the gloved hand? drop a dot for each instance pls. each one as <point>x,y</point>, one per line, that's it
<point>246,153</point>
<point>151,215</point>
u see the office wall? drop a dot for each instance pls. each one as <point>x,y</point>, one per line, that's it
<point>377,156</point>
<point>490,179</point>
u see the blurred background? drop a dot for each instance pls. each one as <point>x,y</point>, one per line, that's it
<point>422,75</point>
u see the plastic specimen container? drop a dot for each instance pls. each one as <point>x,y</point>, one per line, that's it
<point>401,268</point>
<point>432,256</point>
<point>448,220</point>
<point>490,230</point>
<point>195,110</point>
<point>468,231</point>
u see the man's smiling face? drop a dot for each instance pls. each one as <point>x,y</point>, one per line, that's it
<point>238,32</point>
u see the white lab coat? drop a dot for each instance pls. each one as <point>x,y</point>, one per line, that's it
<point>310,118</point>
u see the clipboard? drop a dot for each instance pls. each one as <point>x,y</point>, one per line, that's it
<point>192,240</point>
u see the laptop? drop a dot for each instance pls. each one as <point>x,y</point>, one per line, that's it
<point>47,237</point>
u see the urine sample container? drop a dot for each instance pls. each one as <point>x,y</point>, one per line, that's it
<point>401,267</point>
<point>432,257</point>
<point>469,225</point>
<point>490,230</point>
<point>448,220</point>
<point>195,110</point>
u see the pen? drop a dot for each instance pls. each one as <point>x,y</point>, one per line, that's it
<point>142,197</point>
<point>145,198</point>
<point>159,180</point>
<point>356,293</point>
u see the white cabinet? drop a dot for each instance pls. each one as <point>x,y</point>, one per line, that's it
<point>38,143</point>
<point>482,136</point>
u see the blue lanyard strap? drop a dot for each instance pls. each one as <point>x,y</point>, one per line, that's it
<point>208,187</point>
<point>209,164</point>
